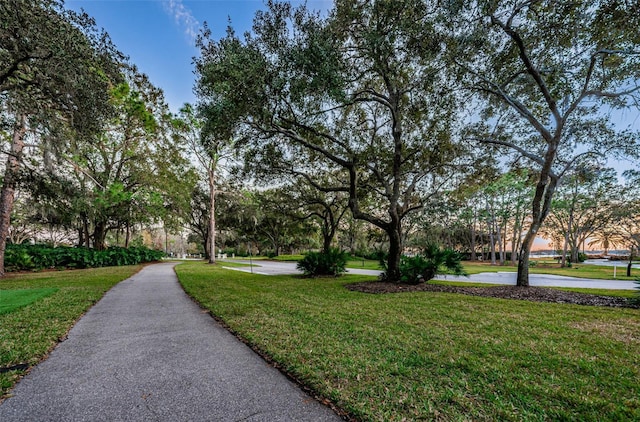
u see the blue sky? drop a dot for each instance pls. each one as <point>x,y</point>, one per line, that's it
<point>159,35</point>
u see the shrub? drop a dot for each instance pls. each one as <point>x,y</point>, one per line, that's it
<point>17,260</point>
<point>26,257</point>
<point>433,261</point>
<point>331,263</point>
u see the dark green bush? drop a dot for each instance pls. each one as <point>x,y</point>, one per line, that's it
<point>17,260</point>
<point>433,261</point>
<point>28,257</point>
<point>332,263</point>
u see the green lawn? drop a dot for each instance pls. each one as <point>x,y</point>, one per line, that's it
<point>38,309</point>
<point>433,356</point>
<point>10,300</point>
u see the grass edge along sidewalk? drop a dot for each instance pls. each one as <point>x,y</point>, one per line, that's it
<point>432,355</point>
<point>33,327</point>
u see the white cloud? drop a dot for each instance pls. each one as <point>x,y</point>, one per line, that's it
<point>183,17</point>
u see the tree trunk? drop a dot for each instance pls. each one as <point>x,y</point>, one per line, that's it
<point>212,216</point>
<point>498,239</point>
<point>474,257</point>
<point>99,235</point>
<point>207,251</point>
<point>7,193</point>
<point>575,255</point>
<point>166,241</point>
<point>326,241</point>
<point>395,253</point>
<point>80,236</point>
<point>516,236</point>
<point>522,279</point>
<point>564,249</point>
<point>492,240</point>
<point>87,236</point>
<point>503,252</point>
<point>127,236</point>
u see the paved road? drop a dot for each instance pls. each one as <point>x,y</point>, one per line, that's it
<point>545,280</point>
<point>509,278</point>
<point>146,352</point>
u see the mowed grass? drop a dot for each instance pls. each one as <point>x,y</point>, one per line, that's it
<point>433,356</point>
<point>10,300</point>
<point>43,315</point>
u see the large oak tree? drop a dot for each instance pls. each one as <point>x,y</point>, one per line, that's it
<point>361,94</point>
<point>546,74</point>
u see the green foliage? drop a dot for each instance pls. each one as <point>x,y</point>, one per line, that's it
<point>324,263</point>
<point>30,257</point>
<point>17,259</point>
<point>433,261</point>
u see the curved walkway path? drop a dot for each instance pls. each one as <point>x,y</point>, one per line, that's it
<point>146,352</point>
<point>501,277</point>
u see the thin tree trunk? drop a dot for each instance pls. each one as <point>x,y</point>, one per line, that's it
<point>85,227</point>
<point>473,239</point>
<point>212,216</point>
<point>127,237</point>
<point>492,240</point>
<point>516,235</point>
<point>498,230</point>
<point>7,193</point>
<point>503,252</point>
<point>564,249</point>
<point>166,241</point>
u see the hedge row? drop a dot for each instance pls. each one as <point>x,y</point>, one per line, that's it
<point>38,257</point>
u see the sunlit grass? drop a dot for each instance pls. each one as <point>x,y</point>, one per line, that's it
<point>433,356</point>
<point>29,331</point>
<point>10,300</point>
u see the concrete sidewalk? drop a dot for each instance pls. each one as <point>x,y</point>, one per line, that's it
<point>146,352</point>
<point>501,277</point>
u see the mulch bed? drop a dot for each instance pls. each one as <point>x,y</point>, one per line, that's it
<point>534,294</point>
